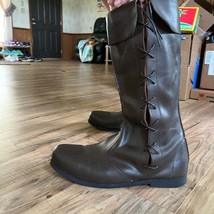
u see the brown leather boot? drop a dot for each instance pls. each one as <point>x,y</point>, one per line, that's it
<point>151,147</point>
<point>106,121</point>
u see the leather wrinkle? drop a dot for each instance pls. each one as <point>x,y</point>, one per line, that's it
<point>114,163</point>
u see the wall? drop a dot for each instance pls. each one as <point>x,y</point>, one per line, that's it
<point>78,22</point>
<point>79,16</point>
<point>69,41</point>
<point>21,18</point>
<point>24,35</point>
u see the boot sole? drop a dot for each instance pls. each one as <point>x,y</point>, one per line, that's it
<point>161,183</point>
<point>103,128</point>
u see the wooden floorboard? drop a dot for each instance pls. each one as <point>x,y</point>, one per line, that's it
<point>202,197</point>
<point>46,104</point>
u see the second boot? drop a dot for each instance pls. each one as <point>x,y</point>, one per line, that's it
<point>151,148</point>
<point>106,121</point>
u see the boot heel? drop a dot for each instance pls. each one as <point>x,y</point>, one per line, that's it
<point>168,183</point>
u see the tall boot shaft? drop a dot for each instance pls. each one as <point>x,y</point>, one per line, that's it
<point>145,47</point>
<point>146,57</point>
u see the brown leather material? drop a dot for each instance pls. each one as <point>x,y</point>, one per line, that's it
<point>124,25</point>
<point>166,11</point>
<point>106,121</point>
<point>151,147</point>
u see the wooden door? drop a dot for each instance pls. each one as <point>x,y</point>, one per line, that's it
<point>46,28</point>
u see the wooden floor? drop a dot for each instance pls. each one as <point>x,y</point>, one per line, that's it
<point>48,103</point>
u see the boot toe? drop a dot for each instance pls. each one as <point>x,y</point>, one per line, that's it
<point>64,156</point>
<point>98,116</point>
<point>85,165</point>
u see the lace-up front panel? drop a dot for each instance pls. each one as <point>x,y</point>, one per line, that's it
<point>147,52</point>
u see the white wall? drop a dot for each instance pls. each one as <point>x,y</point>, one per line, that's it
<point>79,15</point>
<point>2,16</point>
<point>20,16</point>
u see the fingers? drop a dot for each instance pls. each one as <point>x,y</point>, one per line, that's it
<point>111,2</point>
<point>106,4</point>
<point>117,3</point>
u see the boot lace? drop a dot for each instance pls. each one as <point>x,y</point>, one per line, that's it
<point>148,23</point>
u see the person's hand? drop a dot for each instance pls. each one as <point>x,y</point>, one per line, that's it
<point>112,4</point>
<point>117,3</point>
<point>105,2</point>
